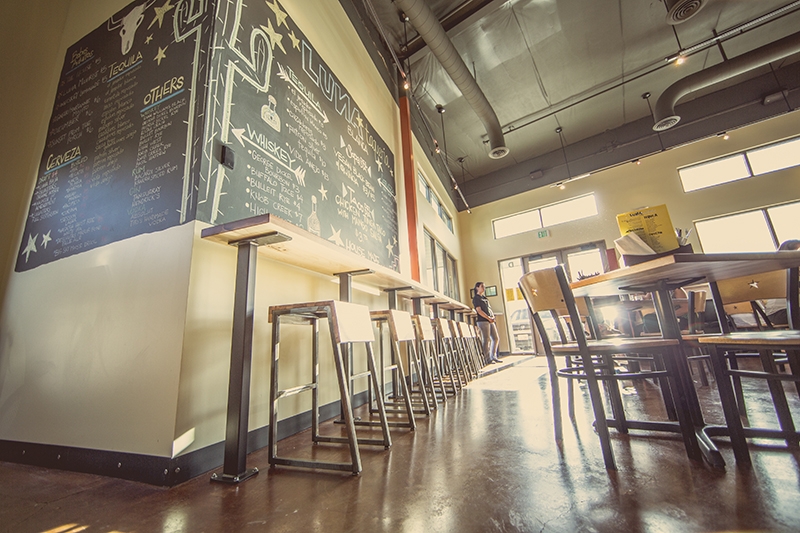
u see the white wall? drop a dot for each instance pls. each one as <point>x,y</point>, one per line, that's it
<point>90,350</point>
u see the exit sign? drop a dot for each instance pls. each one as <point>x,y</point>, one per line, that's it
<point>543,233</point>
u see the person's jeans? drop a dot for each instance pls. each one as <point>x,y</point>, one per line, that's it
<point>491,339</point>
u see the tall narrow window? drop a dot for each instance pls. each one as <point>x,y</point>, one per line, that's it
<point>440,272</point>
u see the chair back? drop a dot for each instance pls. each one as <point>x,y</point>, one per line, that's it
<point>732,296</point>
<point>770,285</point>
<point>549,290</point>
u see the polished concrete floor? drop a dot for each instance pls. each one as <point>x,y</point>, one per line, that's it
<point>485,462</point>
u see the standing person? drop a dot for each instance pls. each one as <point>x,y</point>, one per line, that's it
<point>491,339</point>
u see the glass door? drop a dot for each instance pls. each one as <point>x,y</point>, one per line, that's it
<point>578,261</point>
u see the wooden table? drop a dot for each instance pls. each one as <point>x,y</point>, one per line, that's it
<point>663,275</point>
<point>284,242</point>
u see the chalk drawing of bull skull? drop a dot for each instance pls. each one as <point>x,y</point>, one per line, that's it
<point>129,24</point>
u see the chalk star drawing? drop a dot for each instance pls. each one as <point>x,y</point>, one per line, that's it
<point>31,247</point>
<point>360,121</point>
<point>753,284</point>
<point>323,191</point>
<point>295,40</point>
<point>390,248</point>
<point>148,39</point>
<point>280,16</point>
<point>274,36</point>
<point>336,237</point>
<point>160,12</point>
<point>160,55</point>
<point>45,239</point>
<point>380,165</point>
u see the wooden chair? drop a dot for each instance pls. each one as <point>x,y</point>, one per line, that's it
<point>766,343</point>
<point>742,294</point>
<point>548,291</point>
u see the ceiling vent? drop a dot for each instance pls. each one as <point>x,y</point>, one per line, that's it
<point>679,11</point>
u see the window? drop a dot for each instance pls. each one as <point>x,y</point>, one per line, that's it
<point>775,157</point>
<point>441,272</point>
<point>714,173</point>
<point>755,162</point>
<point>546,216</point>
<point>427,191</point>
<point>784,220</point>
<point>759,230</point>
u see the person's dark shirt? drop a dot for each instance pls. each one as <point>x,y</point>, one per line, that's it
<point>482,302</point>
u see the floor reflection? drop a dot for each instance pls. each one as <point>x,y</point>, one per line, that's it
<point>487,460</point>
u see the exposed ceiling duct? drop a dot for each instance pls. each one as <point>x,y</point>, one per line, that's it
<point>432,32</point>
<point>664,112</point>
<point>682,10</point>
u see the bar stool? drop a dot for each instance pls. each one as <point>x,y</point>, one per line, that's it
<point>446,352</point>
<point>348,324</point>
<point>469,342</point>
<point>401,330</point>
<point>460,345</point>
<point>426,339</point>
<point>478,345</point>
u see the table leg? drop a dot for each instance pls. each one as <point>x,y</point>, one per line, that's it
<point>668,322</point>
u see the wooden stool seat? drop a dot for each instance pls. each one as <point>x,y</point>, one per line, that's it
<point>348,324</point>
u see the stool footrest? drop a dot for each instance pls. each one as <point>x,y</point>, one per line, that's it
<point>345,440</point>
<point>375,423</point>
<point>295,390</point>
<point>364,374</point>
<point>342,467</point>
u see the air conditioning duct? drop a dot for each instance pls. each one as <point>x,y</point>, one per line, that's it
<point>432,32</point>
<point>664,113</point>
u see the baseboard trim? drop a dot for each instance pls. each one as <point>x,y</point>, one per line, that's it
<point>152,469</point>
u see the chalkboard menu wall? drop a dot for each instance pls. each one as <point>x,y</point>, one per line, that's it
<point>142,113</point>
<point>301,148</point>
<point>120,155</point>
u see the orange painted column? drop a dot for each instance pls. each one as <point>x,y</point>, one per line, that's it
<point>410,183</point>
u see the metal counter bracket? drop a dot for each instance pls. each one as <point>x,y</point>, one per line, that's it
<point>234,469</point>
